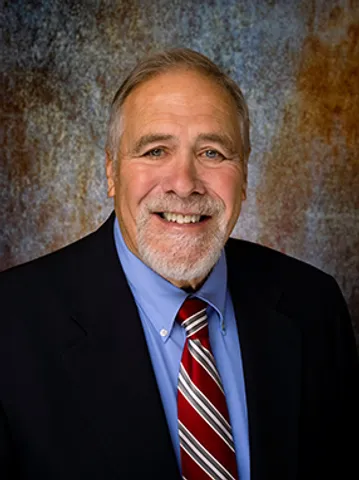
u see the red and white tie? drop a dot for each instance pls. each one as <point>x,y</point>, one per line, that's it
<point>206,442</point>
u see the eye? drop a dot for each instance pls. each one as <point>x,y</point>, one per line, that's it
<point>213,155</point>
<point>155,152</point>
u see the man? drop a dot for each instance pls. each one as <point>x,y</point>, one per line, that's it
<point>102,374</point>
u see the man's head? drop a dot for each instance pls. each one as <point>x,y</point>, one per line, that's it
<point>177,152</point>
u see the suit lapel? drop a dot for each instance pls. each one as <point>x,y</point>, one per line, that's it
<point>110,368</point>
<point>270,346</point>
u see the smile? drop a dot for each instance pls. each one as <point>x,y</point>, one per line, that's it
<point>179,218</point>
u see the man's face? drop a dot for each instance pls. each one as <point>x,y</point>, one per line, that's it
<point>179,180</point>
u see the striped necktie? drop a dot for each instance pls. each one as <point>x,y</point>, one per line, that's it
<point>206,442</point>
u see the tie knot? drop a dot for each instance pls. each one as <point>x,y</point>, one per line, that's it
<point>193,318</point>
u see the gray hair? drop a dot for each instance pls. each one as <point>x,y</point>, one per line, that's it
<point>162,62</point>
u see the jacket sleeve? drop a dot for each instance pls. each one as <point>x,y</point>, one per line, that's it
<point>7,463</point>
<point>347,377</point>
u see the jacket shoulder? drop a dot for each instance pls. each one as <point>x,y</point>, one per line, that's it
<point>301,290</point>
<point>57,277</point>
<point>267,260</point>
<point>65,261</point>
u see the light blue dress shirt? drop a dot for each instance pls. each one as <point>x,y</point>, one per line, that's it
<point>158,302</point>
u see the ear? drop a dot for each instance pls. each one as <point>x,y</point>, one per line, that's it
<point>110,174</point>
<point>244,184</point>
<point>244,192</point>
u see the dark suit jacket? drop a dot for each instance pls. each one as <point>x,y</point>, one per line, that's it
<point>79,398</point>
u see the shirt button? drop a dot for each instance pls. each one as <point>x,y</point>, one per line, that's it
<point>163,332</point>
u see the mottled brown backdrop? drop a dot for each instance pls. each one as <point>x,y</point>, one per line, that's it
<point>296,61</point>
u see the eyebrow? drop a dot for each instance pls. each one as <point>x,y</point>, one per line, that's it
<point>145,140</point>
<point>222,139</point>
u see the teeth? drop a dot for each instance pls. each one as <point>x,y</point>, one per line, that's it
<point>178,218</point>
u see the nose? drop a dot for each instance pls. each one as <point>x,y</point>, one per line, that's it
<point>183,178</point>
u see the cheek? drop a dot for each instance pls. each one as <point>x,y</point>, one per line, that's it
<point>227,185</point>
<point>135,184</point>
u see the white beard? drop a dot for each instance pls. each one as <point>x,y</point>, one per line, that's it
<point>181,257</point>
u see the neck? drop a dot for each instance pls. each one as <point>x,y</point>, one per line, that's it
<point>189,286</point>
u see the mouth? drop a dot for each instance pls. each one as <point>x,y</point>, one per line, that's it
<point>181,218</point>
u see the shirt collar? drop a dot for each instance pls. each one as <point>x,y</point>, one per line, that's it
<point>158,298</point>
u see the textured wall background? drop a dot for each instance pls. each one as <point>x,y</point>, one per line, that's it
<point>296,61</point>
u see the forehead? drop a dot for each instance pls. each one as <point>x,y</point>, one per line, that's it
<point>179,96</point>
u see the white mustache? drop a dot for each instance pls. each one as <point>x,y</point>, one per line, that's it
<point>172,203</point>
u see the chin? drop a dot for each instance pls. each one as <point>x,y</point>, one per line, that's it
<point>181,263</point>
